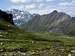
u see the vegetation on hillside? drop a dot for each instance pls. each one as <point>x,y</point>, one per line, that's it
<point>34,43</point>
<point>16,42</point>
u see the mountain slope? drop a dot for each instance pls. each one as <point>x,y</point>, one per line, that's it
<point>53,22</point>
<point>73,18</point>
<point>20,17</point>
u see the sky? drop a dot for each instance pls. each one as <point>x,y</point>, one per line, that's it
<point>40,6</point>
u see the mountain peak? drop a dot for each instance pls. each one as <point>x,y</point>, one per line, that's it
<point>20,16</point>
<point>53,22</point>
<point>55,11</point>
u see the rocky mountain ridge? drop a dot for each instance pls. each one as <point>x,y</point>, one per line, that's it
<point>20,17</point>
<point>53,22</point>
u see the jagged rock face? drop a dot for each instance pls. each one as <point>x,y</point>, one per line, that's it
<point>53,22</point>
<point>19,16</point>
<point>6,17</point>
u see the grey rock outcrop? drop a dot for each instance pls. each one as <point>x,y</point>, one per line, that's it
<point>53,22</point>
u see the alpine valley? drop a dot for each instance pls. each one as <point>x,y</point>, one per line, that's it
<point>52,22</point>
<point>26,34</point>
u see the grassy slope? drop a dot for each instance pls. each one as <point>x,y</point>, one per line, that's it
<point>11,37</point>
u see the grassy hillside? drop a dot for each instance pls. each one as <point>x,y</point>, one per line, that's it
<point>33,43</point>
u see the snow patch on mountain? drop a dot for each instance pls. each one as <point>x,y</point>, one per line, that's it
<point>19,16</point>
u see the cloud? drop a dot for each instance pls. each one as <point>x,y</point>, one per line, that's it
<point>72,3</point>
<point>31,6</point>
<point>20,1</point>
<point>68,7</point>
<point>49,0</point>
<point>26,1</point>
<point>45,6</point>
<point>37,1</point>
<point>64,4</point>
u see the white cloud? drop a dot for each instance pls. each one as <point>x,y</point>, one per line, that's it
<point>67,7</point>
<point>49,0</point>
<point>67,3</point>
<point>30,6</point>
<point>46,6</point>
<point>37,1</point>
<point>20,1</point>
<point>26,1</point>
<point>73,1</point>
<point>19,7</point>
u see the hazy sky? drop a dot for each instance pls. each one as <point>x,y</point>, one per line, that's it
<point>40,6</point>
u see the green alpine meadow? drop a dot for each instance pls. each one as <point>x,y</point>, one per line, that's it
<point>15,41</point>
<point>37,27</point>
